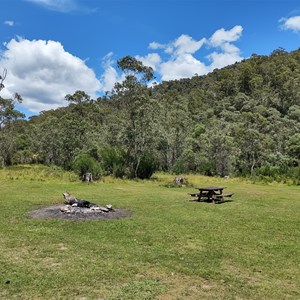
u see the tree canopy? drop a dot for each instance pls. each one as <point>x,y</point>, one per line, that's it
<point>242,120</point>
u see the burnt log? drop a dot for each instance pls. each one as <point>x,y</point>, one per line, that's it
<point>71,200</point>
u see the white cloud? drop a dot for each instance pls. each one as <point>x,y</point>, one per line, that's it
<point>42,72</point>
<point>223,59</point>
<point>182,66</point>
<point>155,46</point>
<point>229,48</point>
<point>185,44</point>
<point>57,5</point>
<point>222,39</point>
<point>109,78</point>
<point>182,45</point>
<point>9,23</point>
<point>292,23</point>
<point>222,36</point>
<point>183,62</point>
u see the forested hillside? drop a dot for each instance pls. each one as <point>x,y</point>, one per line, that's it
<point>242,120</point>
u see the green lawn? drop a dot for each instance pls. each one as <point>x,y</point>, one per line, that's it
<point>171,248</point>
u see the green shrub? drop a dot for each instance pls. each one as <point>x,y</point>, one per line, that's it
<point>178,168</point>
<point>22,157</point>
<point>84,163</point>
<point>113,161</point>
<point>148,165</point>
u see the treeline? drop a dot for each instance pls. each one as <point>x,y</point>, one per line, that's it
<point>241,120</point>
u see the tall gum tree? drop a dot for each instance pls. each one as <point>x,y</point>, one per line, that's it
<point>8,114</point>
<point>137,120</point>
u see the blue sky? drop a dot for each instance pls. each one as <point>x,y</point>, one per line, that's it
<point>51,48</point>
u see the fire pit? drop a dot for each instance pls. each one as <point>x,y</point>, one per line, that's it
<point>78,209</point>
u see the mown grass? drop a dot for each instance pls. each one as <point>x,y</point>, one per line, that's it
<point>170,248</point>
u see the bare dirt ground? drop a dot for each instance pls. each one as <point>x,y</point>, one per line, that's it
<point>54,212</point>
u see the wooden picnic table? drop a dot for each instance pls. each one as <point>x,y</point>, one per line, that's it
<point>211,194</point>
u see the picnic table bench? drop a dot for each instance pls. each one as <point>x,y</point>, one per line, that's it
<point>210,194</point>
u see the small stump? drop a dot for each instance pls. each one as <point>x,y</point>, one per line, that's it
<point>87,177</point>
<point>180,181</point>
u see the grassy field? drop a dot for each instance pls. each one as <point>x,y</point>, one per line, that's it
<point>170,248</point>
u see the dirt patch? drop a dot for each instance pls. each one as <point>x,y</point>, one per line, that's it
<point>54,212</point>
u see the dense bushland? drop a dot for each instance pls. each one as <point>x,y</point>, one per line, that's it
<point>242,120</point>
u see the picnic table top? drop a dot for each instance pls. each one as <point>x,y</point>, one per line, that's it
<point>211,188</point>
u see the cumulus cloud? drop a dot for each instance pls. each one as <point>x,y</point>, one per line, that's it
<point>223,36</point>
<point>43,73</point>
<point>182,45</point>
<point>228,53</point>
<point>178,58</point>
<point>187,45</point>
<point>183,66</point>
<point>220,60</point>
<point>292,23</point>
<point>182,61</point>
<point>9,23</point>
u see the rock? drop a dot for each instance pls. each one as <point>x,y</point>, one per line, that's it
<point>65,209</point>
<point>109,207</point>
<point>105,209</point>
<point>81,207</point>
<point>95,208</point>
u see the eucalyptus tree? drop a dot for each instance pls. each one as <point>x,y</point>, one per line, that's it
<point>137,116</point>
<point>47,140</point>
<point>84,125</point>
<point>175,129</point>
<point>8,114</point>
<point>293,148</point>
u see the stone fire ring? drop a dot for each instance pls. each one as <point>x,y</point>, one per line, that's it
<point>55,212</point>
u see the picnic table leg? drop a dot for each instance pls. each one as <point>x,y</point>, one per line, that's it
<point>210,196</point>
<point>221,193</point>
<point>200,196</point>
<point>213,198</point>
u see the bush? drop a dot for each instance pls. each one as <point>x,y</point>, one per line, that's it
<point>294,174</point>
<point>268,173</point>
<point>148,165</point>
<point>113,161</point>
<point>22,157</point>
<point>178,168</point>
<point>84,163</point>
